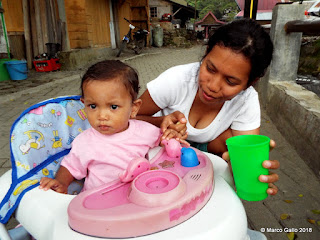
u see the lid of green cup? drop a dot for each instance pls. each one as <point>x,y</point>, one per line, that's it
<point>245,140</point>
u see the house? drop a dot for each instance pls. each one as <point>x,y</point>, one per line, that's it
<point>88,25</point>
<point>208,23</point>
<point>264,9</point>
<point>178,9</point>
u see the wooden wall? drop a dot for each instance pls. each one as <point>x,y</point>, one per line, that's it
<point>44,25</point>
<point>88,23</point>
<point>124,11</point>
<point>14,23</point>
<point>137,11</point>
<point>77,24</point>
<point>13,15</point>
<point>98,18</point>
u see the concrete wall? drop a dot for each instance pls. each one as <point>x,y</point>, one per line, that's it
<point>80,58</point>
<point>296,113</point>
<point>293,109</point>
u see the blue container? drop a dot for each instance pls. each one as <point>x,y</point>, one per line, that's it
<point>17,69</point>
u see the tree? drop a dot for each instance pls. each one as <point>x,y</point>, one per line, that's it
<point>219,8</point>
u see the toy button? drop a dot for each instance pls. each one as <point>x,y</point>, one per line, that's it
<point>155,182</point>
<point>189,157</point>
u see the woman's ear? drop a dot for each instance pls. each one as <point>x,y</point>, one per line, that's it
<point>253,82</point>
<point>135,108</point>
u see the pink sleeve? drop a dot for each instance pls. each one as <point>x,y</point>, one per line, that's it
<point>76,166</point>
<point>152,134</point>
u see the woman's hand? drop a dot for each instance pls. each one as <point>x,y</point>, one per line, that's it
<point>269,164</point>
<point>174,125</point>
<point>272,177</point>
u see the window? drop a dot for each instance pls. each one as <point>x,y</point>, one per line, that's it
<point>153,12</point>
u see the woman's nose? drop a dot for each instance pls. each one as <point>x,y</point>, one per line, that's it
<point>214,84</point>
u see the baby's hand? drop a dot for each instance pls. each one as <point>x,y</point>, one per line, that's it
<point>176,121</point>
<point>54,184</point>
<point>174,125</point>
<point>171,133</point>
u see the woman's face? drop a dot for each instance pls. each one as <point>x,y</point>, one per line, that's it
<point>223,74</point>
<point>108,105</point>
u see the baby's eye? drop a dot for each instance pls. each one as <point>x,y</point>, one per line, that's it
<point>92,106</point>
<point>114,107</point>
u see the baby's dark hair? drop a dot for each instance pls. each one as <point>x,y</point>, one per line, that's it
<point>248,37</point>
<point>110,69</point>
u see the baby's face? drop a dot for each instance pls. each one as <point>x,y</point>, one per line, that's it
<point>108,105</point>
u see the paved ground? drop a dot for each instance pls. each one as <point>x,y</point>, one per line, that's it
<point>295,208</point>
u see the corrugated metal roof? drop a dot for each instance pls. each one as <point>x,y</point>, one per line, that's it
<point>212,15</point>
<point>262,4</point>
<point>315,7</point>
<point>181,2</point>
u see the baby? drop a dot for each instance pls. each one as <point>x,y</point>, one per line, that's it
<point>101,153</point>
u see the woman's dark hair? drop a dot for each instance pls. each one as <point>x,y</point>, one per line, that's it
<point>111,69</point>
<point>249,38</point>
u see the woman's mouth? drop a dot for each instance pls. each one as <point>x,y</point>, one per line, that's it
<point>207,97</point>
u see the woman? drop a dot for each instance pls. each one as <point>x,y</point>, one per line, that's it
<point>211,101</point>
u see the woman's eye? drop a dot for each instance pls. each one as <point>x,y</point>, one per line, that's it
<point>210,69</point>
<point>230,82</point>
<point>92,106</point>
<point>114,107</point>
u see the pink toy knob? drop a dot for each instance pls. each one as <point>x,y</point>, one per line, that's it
<point>173,147</point>
<point>135,167</point>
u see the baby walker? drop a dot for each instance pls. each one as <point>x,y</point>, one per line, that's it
<point>149,197</point>
<point>173,195</point>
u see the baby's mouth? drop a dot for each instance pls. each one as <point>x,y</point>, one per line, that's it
<point>104,127</point>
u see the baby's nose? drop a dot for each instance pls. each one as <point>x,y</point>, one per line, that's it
<point>104,114</point>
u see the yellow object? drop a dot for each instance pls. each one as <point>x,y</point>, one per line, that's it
<point>251,8</point>
<point>45,172</point>
<point>24,185</point>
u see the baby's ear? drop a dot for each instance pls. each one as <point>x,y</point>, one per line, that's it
<point>82,100</point>
<point>135,108</point>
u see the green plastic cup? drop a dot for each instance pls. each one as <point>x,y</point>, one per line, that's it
<point>247,152</point>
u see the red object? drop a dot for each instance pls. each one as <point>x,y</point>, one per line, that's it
<point>47,65</point>
<point>166,17</point>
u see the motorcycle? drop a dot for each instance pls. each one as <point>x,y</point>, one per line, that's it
<point>135,43</point>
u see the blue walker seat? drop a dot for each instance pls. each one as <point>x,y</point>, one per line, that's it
<point>40,137</point>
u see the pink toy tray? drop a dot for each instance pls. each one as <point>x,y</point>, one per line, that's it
<point>149,196</point>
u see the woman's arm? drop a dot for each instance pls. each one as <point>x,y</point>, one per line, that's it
<point>173,125</point>
<point>147,109</point>
<point>218,146</point>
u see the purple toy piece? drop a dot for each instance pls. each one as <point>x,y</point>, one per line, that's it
<point>173,147</point>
